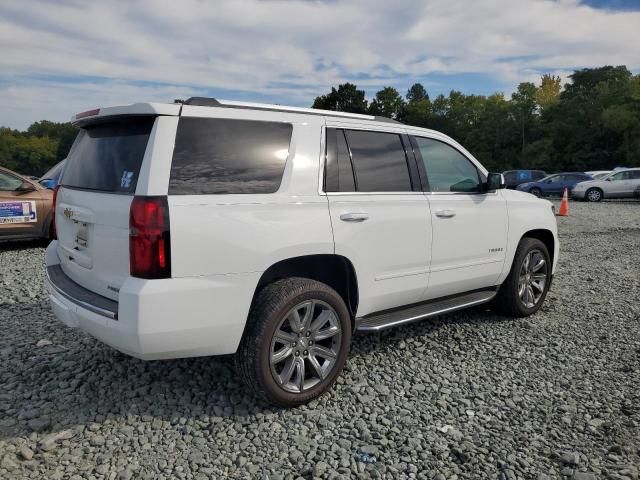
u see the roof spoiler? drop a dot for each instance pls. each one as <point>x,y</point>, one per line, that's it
<point>99,114</point>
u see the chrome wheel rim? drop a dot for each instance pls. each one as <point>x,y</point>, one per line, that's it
<point>532,279</point>
<point>594,195</point>
<point>305,346</point>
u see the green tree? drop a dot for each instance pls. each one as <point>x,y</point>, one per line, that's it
<point>416,93</point>
<point>524,109</point>
<point>548,93</point>
<point>347,98</point>
<point>589,127</point>
<point>387,103</point>
<point>417,113</point>
<point>623,119</point>
<point>37,149</point>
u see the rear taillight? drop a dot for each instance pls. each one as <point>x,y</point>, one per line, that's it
<point>149,239</point>
<point>52,229</point>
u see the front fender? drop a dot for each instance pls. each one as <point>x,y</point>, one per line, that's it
<point>526,214</point>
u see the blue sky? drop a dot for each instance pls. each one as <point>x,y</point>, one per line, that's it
<point>61,57</point>
<point>615,5</point>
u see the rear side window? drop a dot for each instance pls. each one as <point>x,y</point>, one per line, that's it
<point>223,156</point>
<point>510,176</point>
<point>524,175</point>
<point>107,157</point>
<point>338,171</point>
<point>379,161</point>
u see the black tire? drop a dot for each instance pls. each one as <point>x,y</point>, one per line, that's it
<point>508,301</point>
<point>593,195</point>
<point>268,310</point>
<point>536,192</point>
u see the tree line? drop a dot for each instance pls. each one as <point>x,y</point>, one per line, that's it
<point>37,149</point>
<point>590,123</point>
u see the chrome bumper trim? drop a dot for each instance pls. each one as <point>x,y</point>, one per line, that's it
<point>109,307</point>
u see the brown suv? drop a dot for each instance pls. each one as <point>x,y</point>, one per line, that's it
<point>25,207</point>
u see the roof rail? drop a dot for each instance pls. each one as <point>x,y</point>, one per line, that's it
<point>212,102</point>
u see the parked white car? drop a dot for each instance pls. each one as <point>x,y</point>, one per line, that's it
<point>618,184</point>
<point>275,233</point>
<point>598,174</point>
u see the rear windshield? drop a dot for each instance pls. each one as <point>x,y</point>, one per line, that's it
<point>107,157</point>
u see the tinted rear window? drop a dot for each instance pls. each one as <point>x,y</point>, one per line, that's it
<point>223,156</point>
<point>107,157</point>
<point>338,171</point>
<point>379,161</point>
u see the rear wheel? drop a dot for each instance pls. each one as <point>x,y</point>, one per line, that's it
<point>524,290</point>
<point>297,341</point>
<point>536,191</point>
<point>593,195</point>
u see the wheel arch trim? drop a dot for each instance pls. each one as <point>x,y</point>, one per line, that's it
<point>329,269</point>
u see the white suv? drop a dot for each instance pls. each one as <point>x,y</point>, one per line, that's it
<point>207,228</point>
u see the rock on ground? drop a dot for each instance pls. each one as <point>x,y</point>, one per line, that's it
<point>467,395</point>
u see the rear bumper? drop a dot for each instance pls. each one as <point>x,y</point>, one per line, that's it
<point>80,296</point>
<point>157,319</point>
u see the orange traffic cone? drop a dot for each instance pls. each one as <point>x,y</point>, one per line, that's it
<point>564,204</point>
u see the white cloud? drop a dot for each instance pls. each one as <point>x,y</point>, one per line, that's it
<point>163,49</point>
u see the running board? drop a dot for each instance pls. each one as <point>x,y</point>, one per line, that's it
<point>391,318</point>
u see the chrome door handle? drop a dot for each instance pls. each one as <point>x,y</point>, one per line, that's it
<point>445,213</point>
<point>354,217</point>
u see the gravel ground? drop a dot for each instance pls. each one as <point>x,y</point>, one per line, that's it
<point>467,395</point>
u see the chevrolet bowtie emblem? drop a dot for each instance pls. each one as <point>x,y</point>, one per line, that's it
<point>68,212</point>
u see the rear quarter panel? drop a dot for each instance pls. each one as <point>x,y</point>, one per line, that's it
<point>233,234</point>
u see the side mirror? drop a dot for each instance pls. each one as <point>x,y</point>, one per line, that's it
<point>495,181</point>
<point>25,187</point>
<point>48,183</point>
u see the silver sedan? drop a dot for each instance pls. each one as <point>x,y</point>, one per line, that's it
<point>619,184</point>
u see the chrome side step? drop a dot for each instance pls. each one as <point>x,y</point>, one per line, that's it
<point>399,316</point>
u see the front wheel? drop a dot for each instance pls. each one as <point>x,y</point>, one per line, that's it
<point>524,290</point>
<point>593,195</point>
<point>536,191</point>
<point>297,341</point>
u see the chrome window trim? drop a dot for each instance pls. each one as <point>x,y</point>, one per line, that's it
<point>493,192</point>
<point>370,193</point>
